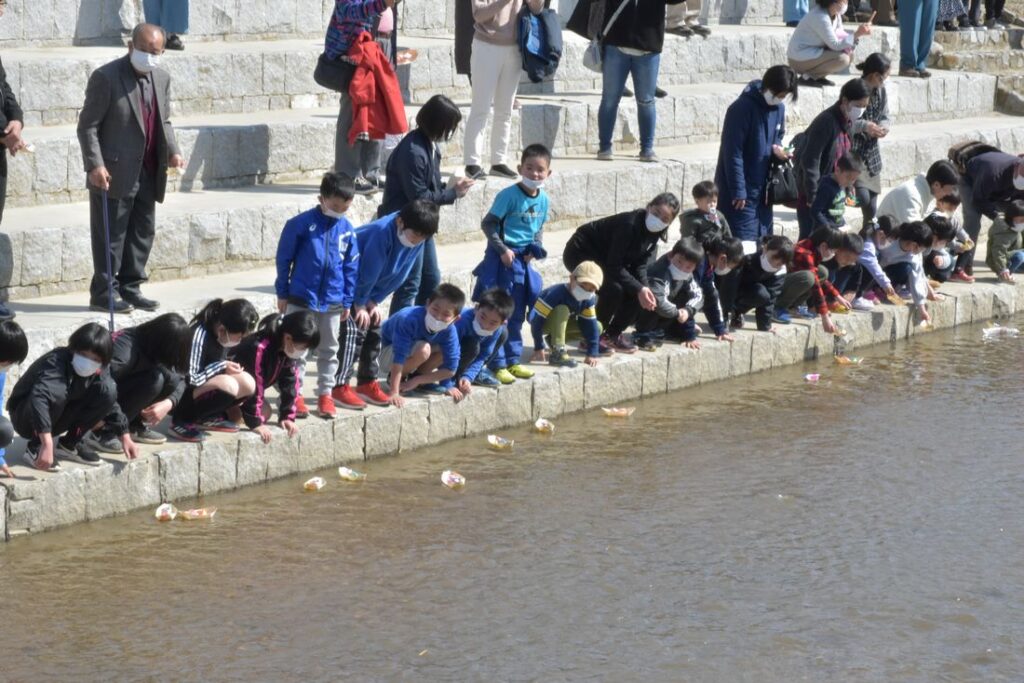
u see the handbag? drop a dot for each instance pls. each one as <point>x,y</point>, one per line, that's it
<point>333,74</point>
<point>781,188</point>
<point>592,55</point>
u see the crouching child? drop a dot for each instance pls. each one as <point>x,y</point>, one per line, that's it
<point>559,303</point>
<point>480,330</point>
<point>13,350</point>
<point>760,282</point>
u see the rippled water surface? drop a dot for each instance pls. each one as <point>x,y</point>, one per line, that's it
<point>867,528</point>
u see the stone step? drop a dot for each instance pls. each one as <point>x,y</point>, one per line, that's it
<point>233,150</point>
<point>979,38</point>
<point>211,231</point>
<point>991,62</point>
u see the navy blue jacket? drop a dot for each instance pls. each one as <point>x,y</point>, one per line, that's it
<point>414,172</point>
<point>317,261</point>
<point>750,129</point>
<point>540,42</point>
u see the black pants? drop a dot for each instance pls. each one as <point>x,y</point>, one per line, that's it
<point>757,296</point>
<point>868,201</point>
<point>728,285</point>
<point>6,432</point>
<point>141,390</point>
<point>617,308</point>
<point>365,344</point>
<point>936,273</point>
<point>74,418</point>
<point>469,351</point>
<point>994,9</point>
<point>211,404</point>
<point>132,227</point>
<point>3,189</point>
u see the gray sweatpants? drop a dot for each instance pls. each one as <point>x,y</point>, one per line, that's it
<point>327,353</point>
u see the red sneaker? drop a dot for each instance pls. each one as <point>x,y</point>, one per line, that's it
<point>347,398</point>
<point>325,407</point>
<point>301,411</point>
<point>959,275</point>
<point>372,393</point>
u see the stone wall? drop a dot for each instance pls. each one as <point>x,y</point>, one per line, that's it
<point>184,471</point>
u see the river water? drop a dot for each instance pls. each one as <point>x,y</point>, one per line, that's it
<point>866,528</point>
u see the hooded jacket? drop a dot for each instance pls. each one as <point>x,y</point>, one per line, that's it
<point>750,129</point>
<point>317,262</point>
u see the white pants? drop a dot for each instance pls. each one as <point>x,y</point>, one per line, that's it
<point>496,70</point>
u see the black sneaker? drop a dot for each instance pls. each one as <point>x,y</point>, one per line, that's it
<point>681,31</point>
<point>475,173</point>
<point>645,344</point>
<point>82,453</point>
<point>701,30</point>
<point>560,358</point>
<point>140,302</point>
<point>737,322</point>
<point>120,306</point>
<point>603,347</point>
<point>148,436</point>
<point>105,442</point>
<point>626,92</point>
<point>622,344</point>
<point>363,186</point>
<point>174,42</point>
<point>503,171</point>
<point>187,432</point>
<point>658,92</point>
<point>31,458</point>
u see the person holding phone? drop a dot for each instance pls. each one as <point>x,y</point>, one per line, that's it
<point>872,126</point>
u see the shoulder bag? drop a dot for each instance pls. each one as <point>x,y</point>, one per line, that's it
<point>592,57</point>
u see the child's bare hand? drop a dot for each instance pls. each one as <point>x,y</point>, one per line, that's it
<point>232,368</point>
<point>773,329</point>
<point>6,471</point>
<point>396,400</point>
<point>264,433</point>
<point>827,324</point>
<point>725,337</point>
<point>683,316</point>
<point>361,318</point>
<point>1006,277</point>
<point>508,257</point>
<point>455,394</point>
<point>925,315</point>
<point>282,306</point>
<point>131,451</point>
<point>290,427</point>
<point>692,344</point>
<point>591,361</point>
<point>539,356</point>
<point>465,386</point>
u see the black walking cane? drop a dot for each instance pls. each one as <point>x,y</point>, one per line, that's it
<point>110,266</point>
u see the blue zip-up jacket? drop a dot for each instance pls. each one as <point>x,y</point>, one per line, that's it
<point>585,312</point>
<point>485,346</point>
<point>402,330</point>
<point>384,264</point>
<point>317,261</point>
<point>750,129</point>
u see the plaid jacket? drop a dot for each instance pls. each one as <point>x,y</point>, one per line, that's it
<point>805,257</point>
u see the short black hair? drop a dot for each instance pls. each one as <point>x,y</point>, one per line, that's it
<point>666,199</point>
<point>875,63</point>
<point>917,232</point>
<point>705,189</point>
<point>830,237</point>
<point>942,228</point>
<point>536,151</point>
<point>93,338</point>
<point>781,79</point>
<point>781,245</point>
<point>690,249</point>
<point>850,161</point>
<point>336,185</point>
<point>238,316</point>
<point>13,343</point>
<point>438,118</point>
<point>499,301</point>
<point>301,325</point>
<point>951,198</point>
<point>882,224</point>
<point>421,216</point>
<point>450,293</point>
<point>1014,209</point>
<point>854,89</point>
<point>942,172</point>
<point>851,241</point>
<point>166,341</point>
<point>732,247</point>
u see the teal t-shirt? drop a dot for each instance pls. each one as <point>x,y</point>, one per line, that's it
<point>522,216</point>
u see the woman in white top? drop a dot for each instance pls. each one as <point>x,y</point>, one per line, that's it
<point>819,46</point>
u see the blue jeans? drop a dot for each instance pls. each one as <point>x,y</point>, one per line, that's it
<point>617,65</point>
<point>170,15</point>
<point>794,10</point>
<point>1016,261</point>
<point>423,279</point>
<point>917,28</point>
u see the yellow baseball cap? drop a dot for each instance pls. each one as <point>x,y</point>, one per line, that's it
<point>589,272</point>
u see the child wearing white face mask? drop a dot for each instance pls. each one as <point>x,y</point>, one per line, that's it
<point>1005,245</point>
<point>13,350</point>
<point>421,344</point>
<point>275,356</point>
<point>760,282</point>
<point>480,330</point>
<point>677,298</point>
<point>807,279</point>
<point>556,305</point>
<point>215,384</point>
<point>514,227</point>
<point>66,392</point>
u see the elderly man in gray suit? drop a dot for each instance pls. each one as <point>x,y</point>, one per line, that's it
<point>127,143</point>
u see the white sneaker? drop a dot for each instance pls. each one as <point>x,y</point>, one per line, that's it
<point>862,304</point>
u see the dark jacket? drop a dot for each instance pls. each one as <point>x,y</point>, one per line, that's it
<point>129,360</point>
<point>696,224</point>
<point>667,290</point>
<point>540,42</point>
<point>112,132</point>
<point>621,244</point>
<point>269,366</point>
<point>414,172</point>
<point>752,275</point>
<point>829,204</point>
<point>750,129</point>
<point>990,176</point>
<point>10,110</point>
<point>822,143</point>
<point>50,384</point>
<point>640,25</point>
<point>206,357</point>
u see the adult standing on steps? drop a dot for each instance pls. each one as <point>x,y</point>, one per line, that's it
<point>917,28</point>
<point>11,120</point>
<point>360,161</point>
<point>752,134</point>
<point>128,143</point>
<point>171,16</point>
<point>820,46</point>
<point>631,44</point>
<point>496,65</point>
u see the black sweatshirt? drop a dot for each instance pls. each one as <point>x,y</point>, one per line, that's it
<point>621,244</point>
<point>751,274</point>
<point>129,359</point>
<point>269,366</point>
<point>640,25</point>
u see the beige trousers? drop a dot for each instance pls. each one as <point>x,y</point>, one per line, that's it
<point>828,63</point>
<point>683,14</point>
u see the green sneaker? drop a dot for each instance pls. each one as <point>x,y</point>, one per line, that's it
<point>504,376</point>
<point>520,372</point>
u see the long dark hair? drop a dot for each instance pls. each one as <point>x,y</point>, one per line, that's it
<point>165,340</point>
<point>301,325</point>
<point>238,316</point>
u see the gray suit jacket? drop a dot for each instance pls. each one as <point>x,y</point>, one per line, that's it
<point>112,132</point>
